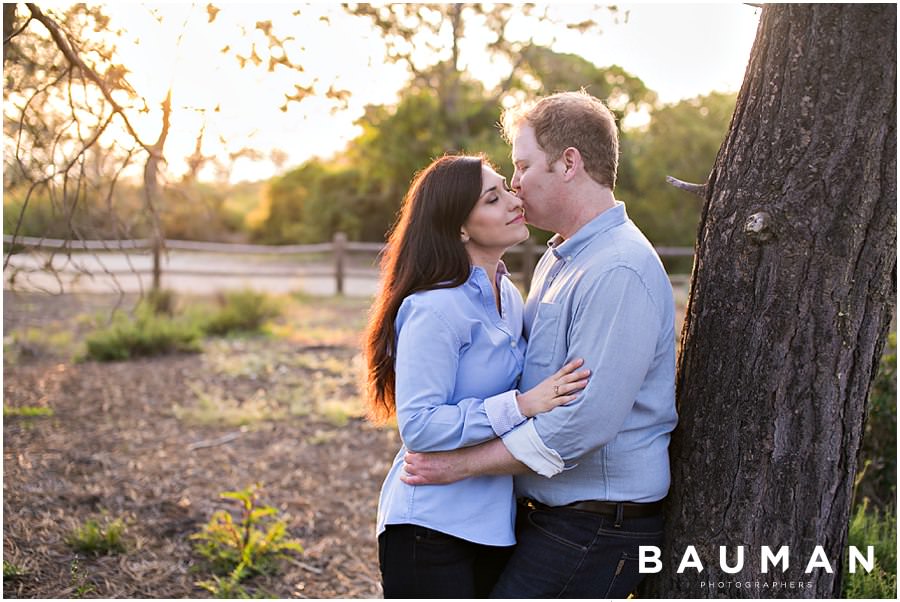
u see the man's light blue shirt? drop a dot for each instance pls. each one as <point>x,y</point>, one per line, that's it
<point>457,364</point>
<point>602,295</point>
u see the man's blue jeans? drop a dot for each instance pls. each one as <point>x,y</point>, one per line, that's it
<point>565,553</point>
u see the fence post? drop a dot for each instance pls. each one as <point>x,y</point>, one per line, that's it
<point>340,249</point>
<point>530,254</point>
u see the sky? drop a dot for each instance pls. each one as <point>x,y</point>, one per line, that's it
<point>678,50</point>
<point>681,50</point>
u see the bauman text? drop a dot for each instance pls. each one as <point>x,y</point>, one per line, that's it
<point>650,562</point>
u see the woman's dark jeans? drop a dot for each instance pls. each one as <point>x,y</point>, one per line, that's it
<point>565,553</point>
<point>418,562</point>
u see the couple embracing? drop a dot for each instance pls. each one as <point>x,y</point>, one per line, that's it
<point>535,435</point>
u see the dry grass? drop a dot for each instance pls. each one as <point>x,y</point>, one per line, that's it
<point>153,442</point>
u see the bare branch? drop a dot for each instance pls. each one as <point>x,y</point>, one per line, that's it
<point>24,110</point>
<point>121,231</point>
<point>698,189</point>
<point>75,60</point>
<point>21,218</point>
<point>9,37</point>
<point>89,143</point>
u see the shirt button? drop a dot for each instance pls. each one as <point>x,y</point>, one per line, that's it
<point>514,344</point>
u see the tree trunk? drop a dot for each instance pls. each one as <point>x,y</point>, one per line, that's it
<point>151,191</point>
<point>792,295</point>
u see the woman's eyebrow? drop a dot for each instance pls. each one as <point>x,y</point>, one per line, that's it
<point>484,192</point>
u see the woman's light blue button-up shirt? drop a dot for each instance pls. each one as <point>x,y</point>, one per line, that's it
<point>457,364</point>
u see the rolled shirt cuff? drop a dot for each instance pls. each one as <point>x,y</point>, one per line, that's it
<point>526,446</point>
<point>503,412</point>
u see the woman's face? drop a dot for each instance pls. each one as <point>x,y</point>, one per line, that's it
<point>497,221</point>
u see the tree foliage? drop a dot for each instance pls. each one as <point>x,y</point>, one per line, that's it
<point>444,109</point>
<point>681,140</point>
<point>311,204</point>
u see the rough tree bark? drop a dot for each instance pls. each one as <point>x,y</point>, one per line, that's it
<point>792,295</point>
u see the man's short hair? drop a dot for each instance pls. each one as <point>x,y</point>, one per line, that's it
<point>572,119</point>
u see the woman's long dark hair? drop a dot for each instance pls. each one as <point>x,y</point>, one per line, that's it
<point>424,251</point>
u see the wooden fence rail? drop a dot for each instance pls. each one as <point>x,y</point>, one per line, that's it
<point>339,249</point>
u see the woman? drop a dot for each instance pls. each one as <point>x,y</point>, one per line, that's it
<point>444,349</point>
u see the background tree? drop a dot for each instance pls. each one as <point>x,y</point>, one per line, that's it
<point>310,201</point>
<point>56,111</point>
<point>445,108</point>
<point>681,138</point>
<point>396,141</point>
<point>71,124</point>
<point>434,42</point>
<point>65,95</point>
<point>792,295</point>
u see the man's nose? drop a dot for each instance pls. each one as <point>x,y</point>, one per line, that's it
<point>514,183</point>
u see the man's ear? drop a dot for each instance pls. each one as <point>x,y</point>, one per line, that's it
<point>571,159</point>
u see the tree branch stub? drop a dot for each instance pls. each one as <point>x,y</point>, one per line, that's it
<point>759,227</point>
<point>697,189</point>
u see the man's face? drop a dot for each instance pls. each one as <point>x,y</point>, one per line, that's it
<point>534,182</point>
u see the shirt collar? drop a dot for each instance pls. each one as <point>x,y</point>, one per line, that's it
<point>609,219</point>
<point>478,272</point>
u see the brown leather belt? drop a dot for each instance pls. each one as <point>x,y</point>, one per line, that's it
<point>611,509</point>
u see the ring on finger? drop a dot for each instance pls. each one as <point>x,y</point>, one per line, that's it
<point>556,390</point>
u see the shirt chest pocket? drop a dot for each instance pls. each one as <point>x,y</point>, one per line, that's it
<point>545,333</point>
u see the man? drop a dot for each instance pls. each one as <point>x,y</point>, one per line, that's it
<point>590,475</point>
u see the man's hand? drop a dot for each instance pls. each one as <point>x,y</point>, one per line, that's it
<point>441,468</point>
<point>435,468</point>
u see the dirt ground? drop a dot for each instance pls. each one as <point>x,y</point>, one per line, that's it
<point>153,442</point>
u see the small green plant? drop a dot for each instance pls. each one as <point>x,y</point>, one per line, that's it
<point>239,549</point>
<point>80,585</point>
<point>240,311</point>
<point>27,412</point>
<point>877,479</point>
<point>872,528</point>
<point>32,342</point>
<point>144,334</point>
<point>226,588</point>
<point>98,539</point>
<point>12,571</point>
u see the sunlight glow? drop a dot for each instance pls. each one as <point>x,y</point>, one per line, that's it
<point>679,50</point>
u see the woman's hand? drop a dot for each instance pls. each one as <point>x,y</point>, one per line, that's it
<point>557,389</point>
